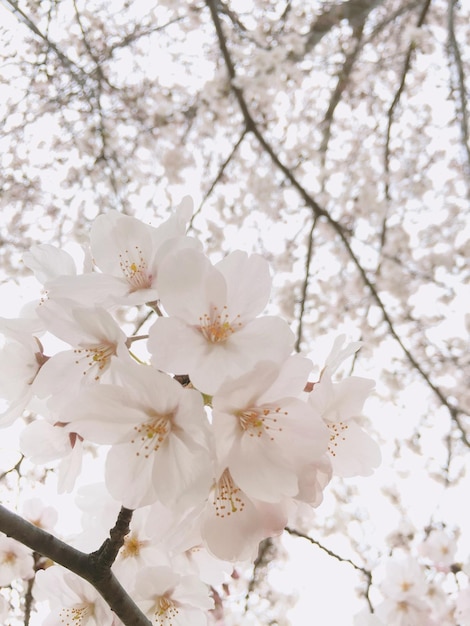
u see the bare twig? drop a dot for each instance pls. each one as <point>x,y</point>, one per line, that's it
<point>367,573</point>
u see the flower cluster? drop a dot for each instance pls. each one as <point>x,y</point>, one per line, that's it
<point>422,583</point>
<point>214,433</point>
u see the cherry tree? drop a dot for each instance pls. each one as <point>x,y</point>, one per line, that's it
<point>233,365</point>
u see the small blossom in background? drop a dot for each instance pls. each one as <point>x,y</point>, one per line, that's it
<point>16,561</point>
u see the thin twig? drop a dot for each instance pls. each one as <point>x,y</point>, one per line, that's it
<point>367,573</point>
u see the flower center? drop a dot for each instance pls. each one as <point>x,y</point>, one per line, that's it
<point>336,434</point>
<point>151,435</point>
<point>95,358</point>
<point>217,326</point>
<point>9,558</point>
<point>165,611</point>
<point>75,616</point>
<point>132,547</point>
<point>227,498</point>
<point>261,420</point>
<point>134,268</point>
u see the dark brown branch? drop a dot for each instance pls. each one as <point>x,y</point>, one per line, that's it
<point>395,102</point>
<point>454,50</point>
<point>216,180</point>
<point>108,551</point>
<point>354,11</point>
<point>75,70</point>
<point>343,79</point>
<point>303,298</point>
<point>87,566</point>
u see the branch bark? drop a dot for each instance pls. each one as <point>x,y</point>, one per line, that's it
<point>87,566</point>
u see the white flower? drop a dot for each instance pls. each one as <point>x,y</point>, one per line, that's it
<point>42,516</point>
<point>233,524</point>
<point>158,433</point>
<point>404,578</point>
<point>409,611</point>
<point>43,442</point>
<point>48,262</point>
<point>169,599</point>
<point>352,451</point>
<point>73,601</point>
<point>439,547</point>
<point>16,561</point>
<point>264,434</point>
<point>213,333</point>
<point>96,340</point>
<point>21,358</point>
<point>127,253</point>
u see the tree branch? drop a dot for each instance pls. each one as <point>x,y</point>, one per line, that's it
<point>87,566</point>
<point>318,211</point>
<point>367,573</point>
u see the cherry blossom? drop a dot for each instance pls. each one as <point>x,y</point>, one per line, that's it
<point>353,452</point>
<point>48,262</point>
<point>39,514</point>
<point>258,423</point>
<point>233,524</point>
<point>96,340</point>
<point>440,548</point>
<point>42,442</point>
<point>21,358</point>
<point>73,601</point>
<point>158,432</point>
<point>213,332</point>
<point>169,599</point>
<point>127,254</point>
<point>16,561</point>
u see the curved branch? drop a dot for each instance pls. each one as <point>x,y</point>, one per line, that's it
<point>308,260</point>
<point>396,100</point>
<point>318,211</point>
<point>367,573</point>
<point>454,50</point>
<point>87,566</point>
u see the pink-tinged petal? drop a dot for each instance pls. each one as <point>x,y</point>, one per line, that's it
<point>267,338</point>
<point>209,364</point>
<point>182,473</point>
<point>233,525</point>
<point>189,286</point>
<point>129,476</point>
<point>69,469</point>
<point>313,479</point>
<point>120,241</point>
<point>249,283</point>
<point>104,414</point>
<point>175,346</point>
<point>261,476</point>
<point>88,289</point>
<point>48,262</point>
<point>244,391</point>
<point>353,452</point>
<point>42,442</point>
<point>339,354</point>
<point>291,379</point>
<point>349,397</point>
